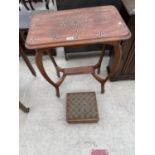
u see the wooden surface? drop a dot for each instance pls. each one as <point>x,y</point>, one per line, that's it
<point>74,4</point>
<point>130,6</point>
<point>126,70</point>
<point>80,70</point>
<point>76,27</point>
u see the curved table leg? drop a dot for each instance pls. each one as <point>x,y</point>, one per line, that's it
<point>58,69</point>
<point>101,80</point>
<point>117,59</point>
<point>115,65</point>
<point>40,66</point>
<point>98,65</point>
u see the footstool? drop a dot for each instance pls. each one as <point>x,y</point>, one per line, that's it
<point>82,108</point>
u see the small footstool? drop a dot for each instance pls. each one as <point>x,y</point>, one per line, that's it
<point>82,108</point>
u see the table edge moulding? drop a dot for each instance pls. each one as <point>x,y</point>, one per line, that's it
<point>101,24</point>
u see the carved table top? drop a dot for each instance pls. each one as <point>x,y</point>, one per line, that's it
<point>75,27</point>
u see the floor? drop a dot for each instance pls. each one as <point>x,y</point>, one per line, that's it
<point>44,130</point>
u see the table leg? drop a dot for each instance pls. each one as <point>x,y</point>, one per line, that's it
<point>117,59</point>
<point>98,65</point>
<point>115,65</point>
<point>58,69</point>
<point>80,70</point>
<point>39,63</point>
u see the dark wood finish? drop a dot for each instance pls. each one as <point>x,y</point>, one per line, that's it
<point>96,25</point>
<point>23,108</point>
<point>86,50</point>
<point>126,70</point>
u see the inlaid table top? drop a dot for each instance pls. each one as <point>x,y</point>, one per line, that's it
<point>75,27</point>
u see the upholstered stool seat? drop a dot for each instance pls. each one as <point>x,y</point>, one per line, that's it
<point>82,108</point>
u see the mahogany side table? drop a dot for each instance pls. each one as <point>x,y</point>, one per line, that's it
<point>77,27</point>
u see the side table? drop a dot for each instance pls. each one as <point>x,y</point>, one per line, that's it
<point>77,27</point>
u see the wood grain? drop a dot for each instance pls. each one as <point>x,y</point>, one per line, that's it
<point>76,27</point>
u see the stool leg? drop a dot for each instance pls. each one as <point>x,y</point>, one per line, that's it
<point>117,59</point>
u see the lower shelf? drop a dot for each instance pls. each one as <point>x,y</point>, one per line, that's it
<point>79,70</point>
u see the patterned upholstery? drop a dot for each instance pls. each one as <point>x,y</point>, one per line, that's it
<point>82,107</point>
